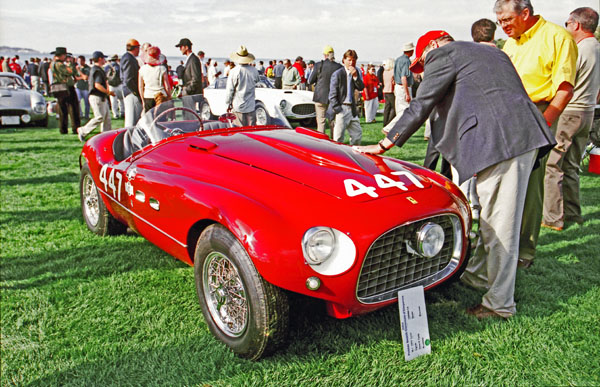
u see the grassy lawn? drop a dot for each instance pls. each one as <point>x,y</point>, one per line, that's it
<point>77,309</point>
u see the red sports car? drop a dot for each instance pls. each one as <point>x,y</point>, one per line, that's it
<point>263,211</point>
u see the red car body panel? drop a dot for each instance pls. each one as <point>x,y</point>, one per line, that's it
<point>268,186</point>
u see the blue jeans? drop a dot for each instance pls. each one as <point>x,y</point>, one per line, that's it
<point>84,94</point>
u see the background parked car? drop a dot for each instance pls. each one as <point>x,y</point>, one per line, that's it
<point>19,105</point>
<point>271,104</point>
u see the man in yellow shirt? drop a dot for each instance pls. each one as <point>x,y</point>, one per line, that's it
<point>545,57</point>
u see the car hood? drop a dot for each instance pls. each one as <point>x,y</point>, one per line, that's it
<point>15,97</point>
<point>291,95</point>
<point>331,168</point>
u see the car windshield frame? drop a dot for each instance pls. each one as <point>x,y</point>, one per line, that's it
<point>12,82</point>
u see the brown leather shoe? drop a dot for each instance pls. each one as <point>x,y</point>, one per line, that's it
<point>482,312</point>
<point>524,263</point>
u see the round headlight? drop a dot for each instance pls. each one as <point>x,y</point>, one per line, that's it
<point>39,108</point>
<point>26,118</point>
<point>319,244</point>
<point>283,104</point>
<point>430,239</point>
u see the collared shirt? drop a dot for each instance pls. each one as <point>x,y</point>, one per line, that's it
<point>239,91</point>
<point>401,69</point>
<point>290,77</point>
<point>349,91</point>
<point>278,70</point>
<point>544,56</point>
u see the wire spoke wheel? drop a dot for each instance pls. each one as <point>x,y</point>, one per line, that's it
<point>90,200</point>
<point>225,294</point>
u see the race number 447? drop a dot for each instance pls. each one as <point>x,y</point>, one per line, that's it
<point>355,188</point>
<point>109,182</point>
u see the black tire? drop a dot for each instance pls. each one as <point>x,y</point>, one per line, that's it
<point>205,112</point>
<point>310,122</point>
<point>42,123</point>
<point>254,322</point>
<point>262,116</point>
<point>95,214</point>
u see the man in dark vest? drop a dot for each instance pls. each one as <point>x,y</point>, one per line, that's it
<point>321,77</point>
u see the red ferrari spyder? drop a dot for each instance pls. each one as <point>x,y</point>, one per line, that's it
<point>263,211</point>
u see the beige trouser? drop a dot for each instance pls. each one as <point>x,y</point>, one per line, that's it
<point>320,110</point>
<point>534,202</point>
<point>561,184</point>
<point>99,106</point>
<point>245,119</point>
<point>401,106</point>
<point>345,120</point>
<point>493,266</point>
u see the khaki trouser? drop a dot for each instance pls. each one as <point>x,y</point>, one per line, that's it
<point>561,184</point>
<point>534,202</point>
<point>493,266</point>
<point>345,120</point>
<point>99,106</point>
<point>245,119</point>
<point>320,110</point>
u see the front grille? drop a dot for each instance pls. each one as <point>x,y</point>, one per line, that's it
<point>390,266</point>
<point>304,109</point>
<point>12,112</point>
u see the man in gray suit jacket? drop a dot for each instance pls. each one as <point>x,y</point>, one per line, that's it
<point>192,72</point>
<point>489,127</point>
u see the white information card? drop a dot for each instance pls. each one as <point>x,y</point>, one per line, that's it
<point>413,321</point>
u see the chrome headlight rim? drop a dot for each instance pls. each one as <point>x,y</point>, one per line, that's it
<point>342,256</point>
<point>310,248</point>
<point>425,246</point>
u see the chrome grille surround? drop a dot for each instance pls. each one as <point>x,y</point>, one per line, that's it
<point>389,266</point>
<point>304,109</point>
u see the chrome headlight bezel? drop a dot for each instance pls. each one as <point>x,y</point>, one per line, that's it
<point>335,257</point>
<point>430,239</point>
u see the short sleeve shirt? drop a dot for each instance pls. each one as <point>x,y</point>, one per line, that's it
<point>401,69</point>
<point>544,56</point>
<point>97,76</point>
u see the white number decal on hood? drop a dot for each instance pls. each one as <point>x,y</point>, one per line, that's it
<point>355,188</point>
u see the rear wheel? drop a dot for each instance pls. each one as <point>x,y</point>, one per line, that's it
<point>96,215</point>
<point>241,309</point>
<point>262,116</point>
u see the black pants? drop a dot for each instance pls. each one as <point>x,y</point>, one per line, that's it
<point>278,83</point>
<point>389,109</point>
<point>68,105</point>
<point>431,160</point>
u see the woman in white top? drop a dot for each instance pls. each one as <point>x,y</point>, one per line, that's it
<point>153,80</point>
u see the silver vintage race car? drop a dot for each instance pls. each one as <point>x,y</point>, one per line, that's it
<point>19,105</point>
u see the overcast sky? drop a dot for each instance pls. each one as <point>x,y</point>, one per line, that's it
<point>270,29</point>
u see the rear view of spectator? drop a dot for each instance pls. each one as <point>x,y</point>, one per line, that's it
<point>389,110</point>
<point>370,94</point>
<point>483,31</point>
<point>153,80</point>
<point>113,74</point>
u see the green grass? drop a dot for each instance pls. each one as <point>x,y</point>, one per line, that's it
<point>77,309</point>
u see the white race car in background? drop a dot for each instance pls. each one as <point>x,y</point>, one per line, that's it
<point>19,105</point>
<point>273,106</point>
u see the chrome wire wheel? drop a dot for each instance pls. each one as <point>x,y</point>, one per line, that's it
<point>205,112</point>
<point>225,294</point>
<point>262,118</point>
<point>91,200</point>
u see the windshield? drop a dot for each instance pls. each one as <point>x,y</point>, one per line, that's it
<point>171,118</point>
<point>7,82</point>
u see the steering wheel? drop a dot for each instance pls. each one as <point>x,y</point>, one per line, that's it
<point>170,110</point>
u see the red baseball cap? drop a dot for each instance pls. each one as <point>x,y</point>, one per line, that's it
<point>416,66</point>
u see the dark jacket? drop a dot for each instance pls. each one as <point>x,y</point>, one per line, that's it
<point>192,76</point>
<point>485,115</point>
<point>338,91</point>
<point>129,74</point>
<point>321,77</point>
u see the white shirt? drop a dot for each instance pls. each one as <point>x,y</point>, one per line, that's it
<point>239,91</point>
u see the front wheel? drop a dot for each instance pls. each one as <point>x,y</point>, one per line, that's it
<point>96,215</point>
<point>242,310</point>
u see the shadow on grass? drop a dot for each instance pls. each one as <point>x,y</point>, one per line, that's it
<point>88,262</point>
<point>18,217</point>
<point>67,177</point>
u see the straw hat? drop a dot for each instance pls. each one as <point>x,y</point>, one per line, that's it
<point>409,47</point>
<point>242,56</point>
